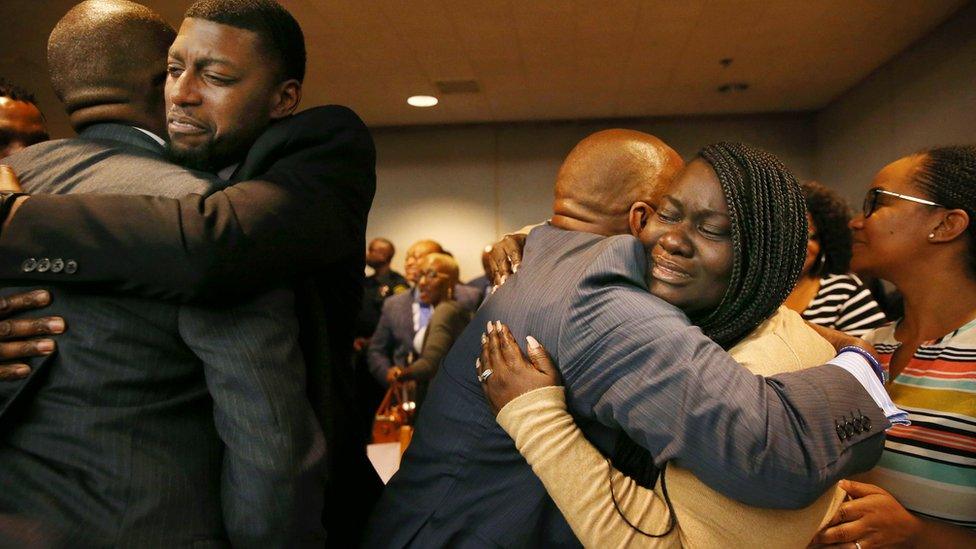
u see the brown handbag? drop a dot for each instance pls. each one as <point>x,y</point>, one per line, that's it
<point>394,418</point>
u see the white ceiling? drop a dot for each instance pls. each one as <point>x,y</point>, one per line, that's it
<point>565,59</point>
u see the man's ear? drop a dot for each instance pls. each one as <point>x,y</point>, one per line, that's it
<point>952,224</point>
<point>286,98</point>
<point>640,215</point>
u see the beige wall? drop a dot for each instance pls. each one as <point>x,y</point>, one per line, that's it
<point>922,98</point>
<point>466,186</point>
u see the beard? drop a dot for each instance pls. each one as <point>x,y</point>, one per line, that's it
<point>216,153</point>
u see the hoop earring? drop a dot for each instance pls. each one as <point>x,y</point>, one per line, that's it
<point>821,263</point>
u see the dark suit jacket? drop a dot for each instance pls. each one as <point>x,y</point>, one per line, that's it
<point>301,218</point>
<point>631,363</point>
<point>115,437</point>
<point>392,342</point>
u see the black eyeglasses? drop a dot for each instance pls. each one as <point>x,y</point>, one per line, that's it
<point>871,200</point>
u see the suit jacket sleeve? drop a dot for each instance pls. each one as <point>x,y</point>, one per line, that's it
<point>305,208</point>
<point>446,324</point>
<point>273,479</point>
<point>381,346</point>
<point>767,442</point>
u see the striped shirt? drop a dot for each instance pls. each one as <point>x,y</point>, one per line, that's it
<point>930,465</point>
<point>844,303</point>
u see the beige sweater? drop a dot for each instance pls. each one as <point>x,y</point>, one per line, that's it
<point>575,473</point>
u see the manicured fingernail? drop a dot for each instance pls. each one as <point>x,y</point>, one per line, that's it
<point>45,345</point>
<point>477,363</point>
<point>56,325</point>
<point>484,339</point>
<point>515,267</point>
<point>504,278</point>
<point>494,289</point>
<point>21,370</point>
<point>42,297</point>
<point>533,344</point>
<point>490,327</point>
<point>498,326</point>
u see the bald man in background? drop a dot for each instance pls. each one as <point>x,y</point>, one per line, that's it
<point>630,363</point>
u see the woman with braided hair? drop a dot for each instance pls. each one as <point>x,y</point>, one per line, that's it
<point>726,243</point>
<point>917,229</point>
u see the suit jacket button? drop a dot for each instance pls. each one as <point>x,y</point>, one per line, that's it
<point>57,265</point>
<point>841,434</point>
<point>866,423</point>
<point>70,266</point>
<point>44,265</point>
<point>28,265</point>
<point>849,427</point>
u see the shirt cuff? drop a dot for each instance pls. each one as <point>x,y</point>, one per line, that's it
<point>858,366</point>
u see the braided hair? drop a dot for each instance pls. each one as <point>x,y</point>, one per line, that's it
<point>948,176</point>
<point>831,216</point>
<point>769,236</point>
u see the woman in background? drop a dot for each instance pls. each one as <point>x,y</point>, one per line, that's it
<point>828,294</point>
<point>917,230</point>
<point>438,278</point>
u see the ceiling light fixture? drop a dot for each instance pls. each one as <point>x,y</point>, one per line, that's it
<point>422,101</point>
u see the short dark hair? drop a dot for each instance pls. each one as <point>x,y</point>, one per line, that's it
<point>769,237</point>
<point>16,93</point>
<point>279,32</point>
<point>948,176</point>
<point>387,242</point>
<point>831,217</point>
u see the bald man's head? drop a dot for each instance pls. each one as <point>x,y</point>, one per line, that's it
<point>605,174</point>
<point>417,251</point>
<point>107,62</point>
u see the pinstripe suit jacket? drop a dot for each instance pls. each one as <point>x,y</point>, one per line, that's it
<point>157,424</point>
<point>630,363</point>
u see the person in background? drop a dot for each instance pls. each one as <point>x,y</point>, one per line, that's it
<point>828,294</point>
<point>21,122</point>
<point>438,279</point>
<point>483,283</point>
<point>917,230</point>
<point>383,283</point>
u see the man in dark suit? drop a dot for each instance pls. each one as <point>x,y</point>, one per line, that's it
<point>154,424</point>
<point>483,283</point>
<point>631,364</point>
<point>383,283</point>
<point>315,185</point>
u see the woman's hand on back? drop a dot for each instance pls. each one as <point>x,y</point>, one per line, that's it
<point>506,373</point>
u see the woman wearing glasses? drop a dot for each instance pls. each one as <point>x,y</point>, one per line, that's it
<point>918,231</point>
<point>438,278</point>
<point>828,294</point>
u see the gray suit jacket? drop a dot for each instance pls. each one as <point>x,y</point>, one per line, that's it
<point>631,363</point>
<point>156,424</point>
<point>392,341</point>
